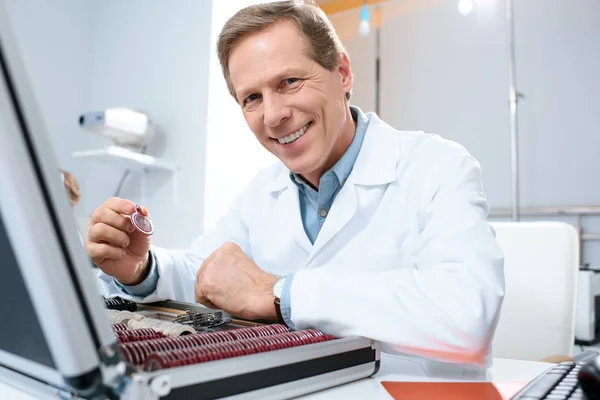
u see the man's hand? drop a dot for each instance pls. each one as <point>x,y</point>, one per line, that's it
<point>113,243</point>
<point>229,280</point>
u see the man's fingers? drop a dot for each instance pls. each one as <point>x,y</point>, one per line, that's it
<point>112,218</point>
<point>121,206</point>
<point>204,301</point>
<point>203,268</point>
<point>100,252</point>
<point>144,211</point>
<point>103,233</point>
<point>199,294</point>
<point>210,305</point>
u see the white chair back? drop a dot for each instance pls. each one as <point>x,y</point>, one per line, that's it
<point>541,269</point>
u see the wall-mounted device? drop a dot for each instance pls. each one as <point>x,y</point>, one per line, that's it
<point>125,126</point>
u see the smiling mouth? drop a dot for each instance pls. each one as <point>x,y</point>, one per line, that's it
<point>291,138</point>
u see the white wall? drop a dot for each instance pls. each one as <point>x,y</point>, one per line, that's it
<point>560,117</point>
<point>54,39</point>
<point>361,51</point>
<point>559,72</point>
<point>448,74</point>
<point>441,72</point>
<point>154,55</point>
<point>234,155</point>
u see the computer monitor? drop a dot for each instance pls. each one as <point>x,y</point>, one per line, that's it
<point>54,329</point>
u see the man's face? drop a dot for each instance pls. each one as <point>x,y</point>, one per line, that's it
<point>296,108</point>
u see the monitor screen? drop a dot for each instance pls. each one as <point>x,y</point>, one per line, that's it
<point>20,332</point>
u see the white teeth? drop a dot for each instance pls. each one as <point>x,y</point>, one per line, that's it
<point>294,136</point>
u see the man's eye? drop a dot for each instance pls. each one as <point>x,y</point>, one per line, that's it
<point>252,97</point>
<point>291,81</point>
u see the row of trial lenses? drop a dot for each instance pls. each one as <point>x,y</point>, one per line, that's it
<point>137,352</point>
<point>205,339</point>
<point>169,328</point>
<point>254,331</point>
<point>138,335</point>
<point>119,327</point>
<point>117,317</point>
<point>176,358</point>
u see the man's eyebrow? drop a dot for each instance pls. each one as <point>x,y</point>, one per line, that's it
<point>244,92</point>
<point>288,73</point>
<point>275,79</point>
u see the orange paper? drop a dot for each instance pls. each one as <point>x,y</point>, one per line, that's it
<point>453,390</point>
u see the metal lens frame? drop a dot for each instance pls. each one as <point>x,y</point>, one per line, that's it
<point>141,222</point>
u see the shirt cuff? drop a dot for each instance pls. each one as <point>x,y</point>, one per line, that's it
<point>286,301</point>
<point>145,287</point>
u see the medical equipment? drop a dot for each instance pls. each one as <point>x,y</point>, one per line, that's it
<point>126,127</point>
<point>203,321</point>
<point>587,324</point>
<point>119,304</point>
<point>141,222</point>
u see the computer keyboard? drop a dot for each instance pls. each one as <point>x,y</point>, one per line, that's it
<point>557,383</point>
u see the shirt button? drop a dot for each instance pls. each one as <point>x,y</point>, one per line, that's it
<point>323,212</point>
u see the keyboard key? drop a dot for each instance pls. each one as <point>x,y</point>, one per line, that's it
<point>558,383</point>
<point>570,380</point>
<point>543,385</point>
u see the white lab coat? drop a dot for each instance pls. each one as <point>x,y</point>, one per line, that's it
<point>405,255</point>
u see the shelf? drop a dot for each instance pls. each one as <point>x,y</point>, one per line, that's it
<point>126,159</point>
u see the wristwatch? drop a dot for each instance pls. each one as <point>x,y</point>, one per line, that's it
<point>277,292</point>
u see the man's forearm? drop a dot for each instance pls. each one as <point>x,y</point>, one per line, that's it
<point>449,312</point>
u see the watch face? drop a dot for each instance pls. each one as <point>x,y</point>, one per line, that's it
<point>141,222</point>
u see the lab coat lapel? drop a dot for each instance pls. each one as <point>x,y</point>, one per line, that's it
<point>288,209</point>
<point>343,209</point>
<point>375,165</point>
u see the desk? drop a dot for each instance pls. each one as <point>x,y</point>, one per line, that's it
<point>502,370</point>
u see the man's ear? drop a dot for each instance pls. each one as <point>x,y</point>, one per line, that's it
<point>345,72</point>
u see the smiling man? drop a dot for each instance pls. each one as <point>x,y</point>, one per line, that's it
<point>359,229</point>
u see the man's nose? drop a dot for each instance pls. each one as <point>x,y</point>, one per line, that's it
<point>276,111</point>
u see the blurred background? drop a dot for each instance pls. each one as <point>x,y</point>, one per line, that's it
<point>448,67</point>
<point>441,66</point>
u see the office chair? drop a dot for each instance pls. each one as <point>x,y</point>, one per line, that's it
<point>541,271</point>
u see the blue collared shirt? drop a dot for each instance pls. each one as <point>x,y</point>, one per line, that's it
<point>314,209</point>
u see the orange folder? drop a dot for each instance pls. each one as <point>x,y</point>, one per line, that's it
<point>453,390</point>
